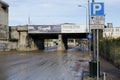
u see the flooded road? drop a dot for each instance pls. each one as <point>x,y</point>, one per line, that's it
<point>45,65</point>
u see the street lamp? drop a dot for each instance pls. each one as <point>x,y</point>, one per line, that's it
<point>86,16</point>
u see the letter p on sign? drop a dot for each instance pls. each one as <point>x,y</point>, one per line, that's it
<point>97,9</point>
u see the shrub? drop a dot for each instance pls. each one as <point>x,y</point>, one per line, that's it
<point>110,49</point>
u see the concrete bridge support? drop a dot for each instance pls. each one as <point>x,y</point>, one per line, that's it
<point>31,44</point>
<point>22,44</point>
<point>61,46</point>
<point>25,43</point>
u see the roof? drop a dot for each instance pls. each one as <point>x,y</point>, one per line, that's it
<point>4,3</point>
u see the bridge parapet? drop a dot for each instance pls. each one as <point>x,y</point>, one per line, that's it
<point>64,28</point>
<point>23,28</point>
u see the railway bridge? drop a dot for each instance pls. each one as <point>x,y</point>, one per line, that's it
<point>32,37</point>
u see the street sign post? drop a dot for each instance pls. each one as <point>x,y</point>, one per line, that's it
<point>97,15</point>
<point>96,23</point>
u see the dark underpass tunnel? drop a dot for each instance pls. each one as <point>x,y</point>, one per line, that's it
<point>41,39</point>
<point>50,41</point>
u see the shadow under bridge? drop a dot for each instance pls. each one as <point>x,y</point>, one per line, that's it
<point>40,39</point>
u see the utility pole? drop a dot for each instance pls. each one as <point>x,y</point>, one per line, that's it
<point>89,15</point>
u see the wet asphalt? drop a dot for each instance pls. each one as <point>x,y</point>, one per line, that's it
<point>42,65</point>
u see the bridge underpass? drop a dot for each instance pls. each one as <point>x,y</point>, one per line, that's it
<point>33,37</point>
<point>39,39</point>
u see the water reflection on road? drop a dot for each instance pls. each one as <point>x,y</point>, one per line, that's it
<point>44,65</point>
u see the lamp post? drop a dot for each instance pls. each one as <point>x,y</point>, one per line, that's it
<point>86,16</point>
<point>89,16</point>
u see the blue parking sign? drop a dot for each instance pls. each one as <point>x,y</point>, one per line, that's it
<point>97,9</point>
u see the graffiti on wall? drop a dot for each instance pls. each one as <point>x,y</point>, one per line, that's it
<point>44,29</point>
<point>3,32</point>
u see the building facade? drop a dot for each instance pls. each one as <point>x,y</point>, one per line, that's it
<point>111,32</point>
<point>4,30</point>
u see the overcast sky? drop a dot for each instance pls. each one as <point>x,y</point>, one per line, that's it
<point>57,11</point>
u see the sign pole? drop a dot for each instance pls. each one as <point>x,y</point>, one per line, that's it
<point>98,55</point>
<point>94,45</point>
<point>97,22</point>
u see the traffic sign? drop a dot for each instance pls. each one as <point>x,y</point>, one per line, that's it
<point>89,36</point>
<point>97,20</point>
<point>97,9</point>
<point>96,26</point>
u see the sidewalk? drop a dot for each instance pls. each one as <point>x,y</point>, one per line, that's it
<point>112,73</point>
